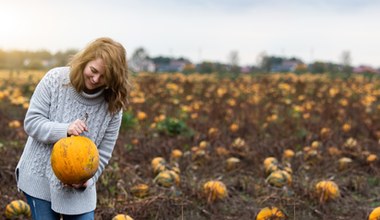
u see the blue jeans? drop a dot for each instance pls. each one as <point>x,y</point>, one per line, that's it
<point>41,210</point>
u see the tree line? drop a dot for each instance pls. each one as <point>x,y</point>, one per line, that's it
<point>43,59</point>
<point>34,60</point>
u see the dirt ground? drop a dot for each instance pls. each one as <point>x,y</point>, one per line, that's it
<point>267,123</point>
<point>248,193</point>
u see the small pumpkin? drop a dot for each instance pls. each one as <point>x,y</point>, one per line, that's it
<point>371,158</point>
<point>272,213</point>
<point>158,165</point>
<point>122,217</point>
<point>140,190</point>
<point>232,163</point>
<point>167,178</point>
<point>344,163</point>
<point>176,154</point>
<point>327,190</point>
<point>234,127</point>
<point>212,132</point>
<point>14,124</point>
<point>17,208</point>
<point>159,168</point>
<point>203,145</point>
<point>279,178</point>
<point>316,144</point>
<point>287,155</point>
<point>346,127</point>
<point>214,190</point>
<point>156,161</point>
<point>176,169</point>
<point>141,116</point>
<point>287,168</point>
<point>269,160</point>
<point>271,168</point>
<point>74,159</point>
<point>375,214</point>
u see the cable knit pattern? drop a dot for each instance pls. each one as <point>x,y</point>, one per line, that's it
<point>54,105</point>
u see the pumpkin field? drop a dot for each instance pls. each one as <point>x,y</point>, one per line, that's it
<point>206,146</point>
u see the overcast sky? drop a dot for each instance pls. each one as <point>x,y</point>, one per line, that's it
<point>312,30</point>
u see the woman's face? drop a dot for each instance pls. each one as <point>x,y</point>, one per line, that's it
<point>94,75</point>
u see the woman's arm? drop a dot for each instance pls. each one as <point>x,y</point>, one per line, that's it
<point>108,143</point>
<point>37,123</point>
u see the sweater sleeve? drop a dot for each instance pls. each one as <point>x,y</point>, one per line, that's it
<point>37,123</point>
<point>107,145</point>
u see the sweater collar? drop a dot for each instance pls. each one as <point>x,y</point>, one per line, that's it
<point>92,95</point>
<point>88,99</point>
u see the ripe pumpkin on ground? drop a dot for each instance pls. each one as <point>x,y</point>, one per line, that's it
<point>271,168</point>
<point>156,161</point>
<point>270,160</point>
<point>375,214</point>
<point>140,190</point>
<point>158,165</point>
<point>371,158</point>
<point>232,163</point>
<point>270,164</point>
<point>167,178</point>
<point>214,190</point>
<point>270,213</point>
<point>327,190</point>
<point>176,154</point>
<point>279,178</point>
<point>288,155</point>
<point>344,163</point>
<point>122,217</point>
<point>74,159</point>
<point>17,208</point>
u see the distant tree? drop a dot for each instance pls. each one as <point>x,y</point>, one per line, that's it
<point>34,64</point>
<point>189,68</point>
<point>262,62</point>
<point>139,60</point>
<point>323,67</point>
<point>161,60</point>
<point>3,56</point>
<point>206,67</point>
<point>318,67</point>
<point>268,62</point>
<point>301,68</point>
<point>233,59</point>
<point>15,59</point>
<point>63,58</point>
<point>346,62</point>
<point>41,55</point>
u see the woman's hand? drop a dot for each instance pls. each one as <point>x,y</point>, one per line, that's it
<point>78,186</point>
<point>76,128</point>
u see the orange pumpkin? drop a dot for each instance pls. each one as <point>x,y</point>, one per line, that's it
<point>214,190</point>
<point>270,213</point>
<point>140,190</point>
<point>122,217</point>
<point>74,159</point>
<point>279,178</point>
<point>167,178</point>
<point>327,190</point>
<point>375,214</point>
<point>17,208</point>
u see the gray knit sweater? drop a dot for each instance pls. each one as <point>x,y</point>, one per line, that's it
<point>53,106</point>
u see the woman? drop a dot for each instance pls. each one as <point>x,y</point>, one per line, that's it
<point>86,98</point>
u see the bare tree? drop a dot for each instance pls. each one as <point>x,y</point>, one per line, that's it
<point>346,62</point>
<point>140,61</point>
<point>263,61</point>
<point>233,59</point>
